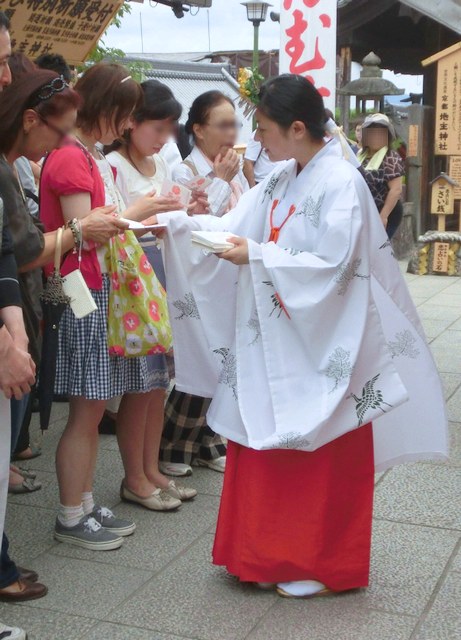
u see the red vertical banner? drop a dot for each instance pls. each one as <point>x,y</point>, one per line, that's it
<point>308,43</point>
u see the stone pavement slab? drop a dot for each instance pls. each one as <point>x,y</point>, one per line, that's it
<point>162,586</point>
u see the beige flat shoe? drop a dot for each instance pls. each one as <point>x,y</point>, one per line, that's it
<point>180,492</point>
<point>158,501</point>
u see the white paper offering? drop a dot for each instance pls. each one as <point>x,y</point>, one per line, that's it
<point>199,183</point>
<point>212,241</point>
<point>136,226</point>
<point>176,190</point>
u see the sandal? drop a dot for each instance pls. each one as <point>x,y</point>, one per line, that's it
<point>27,486</point>
<point>28,475</point>
<point>21,471</point>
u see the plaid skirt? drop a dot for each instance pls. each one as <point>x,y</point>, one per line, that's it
<point>83,365</point>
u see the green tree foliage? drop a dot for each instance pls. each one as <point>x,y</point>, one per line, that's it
<point>101,52</point>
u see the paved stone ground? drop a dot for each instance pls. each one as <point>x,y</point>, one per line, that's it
<point>162,586</point>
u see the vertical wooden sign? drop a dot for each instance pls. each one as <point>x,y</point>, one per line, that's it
<point>440,258</point>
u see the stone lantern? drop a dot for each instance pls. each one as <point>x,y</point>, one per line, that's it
<point>370,86</point>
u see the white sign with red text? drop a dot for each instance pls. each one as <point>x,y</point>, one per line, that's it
<point>308,43</point>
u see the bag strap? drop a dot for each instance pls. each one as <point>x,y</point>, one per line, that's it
<point>191,166</point>
<point>67,143</point>
<point>31,195</point>
<point>58,251</point>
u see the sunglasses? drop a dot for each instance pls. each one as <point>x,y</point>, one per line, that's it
<point>49,90</point>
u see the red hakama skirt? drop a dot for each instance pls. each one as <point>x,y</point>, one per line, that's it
<point>293,515</point>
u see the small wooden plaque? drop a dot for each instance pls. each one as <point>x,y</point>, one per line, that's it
<point>440,259</point>
<point>413,134</point>
<point>455,173</point>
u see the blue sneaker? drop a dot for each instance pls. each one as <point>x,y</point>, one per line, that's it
<point>109,521</point>
<point>89,534</point>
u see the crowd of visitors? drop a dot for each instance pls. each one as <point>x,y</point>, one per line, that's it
<point>255,370</point>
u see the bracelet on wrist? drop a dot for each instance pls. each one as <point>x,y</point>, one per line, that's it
<point>75,226</point>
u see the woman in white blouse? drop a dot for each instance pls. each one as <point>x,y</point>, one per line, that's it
<point>213,125</point>
<point>140,170</point>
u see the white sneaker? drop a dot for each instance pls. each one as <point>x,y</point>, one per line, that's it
<point>12,633</point>
<point>176,469</point>
<point>216,464</point>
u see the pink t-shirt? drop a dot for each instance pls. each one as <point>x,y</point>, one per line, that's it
<point>67,171</point>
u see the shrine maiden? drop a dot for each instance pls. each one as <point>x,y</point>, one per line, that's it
<point>306,338</point>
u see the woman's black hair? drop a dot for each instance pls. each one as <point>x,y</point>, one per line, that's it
<point>289,98</point>
<point>183,142</point>
<point>202,106</point>
<point>158,103</point>
<point>55,62</point>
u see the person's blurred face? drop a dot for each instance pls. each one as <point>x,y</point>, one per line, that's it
<point>375,138</point>
<point>45,134</point>
<point>5,52</point>
<point>150,136</point>
<point>219,133</point>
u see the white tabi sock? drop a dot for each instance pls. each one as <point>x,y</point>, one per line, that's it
<point>301,587</point>
<point>70,516</point>
<point>87,502</point>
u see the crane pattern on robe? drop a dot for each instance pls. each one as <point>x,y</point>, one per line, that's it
<point>311,208</point>
<point>346,273</point>
<point>228,375</point>
<point>187,307</point>
<point>403,345</point>
<point>339,366</point>
<point>272,185</point>
<point>293,440</point>
<point>277,302</point>
<point>254,324</point>
<point>371,398</point>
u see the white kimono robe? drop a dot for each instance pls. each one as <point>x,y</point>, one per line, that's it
<point>317,335</point>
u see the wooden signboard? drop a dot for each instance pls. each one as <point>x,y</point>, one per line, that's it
<point>413,134</point>
<point>447,110</point>
<point>68,27</point>
<point>454,171</point>
<point>440,259</point>
<point>442,201</point>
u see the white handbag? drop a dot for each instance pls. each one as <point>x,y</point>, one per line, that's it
<point>81,301</point>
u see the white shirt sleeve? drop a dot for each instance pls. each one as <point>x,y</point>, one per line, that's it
<point>170,153</point>
<point>253,149</point>
<point>219,191</point>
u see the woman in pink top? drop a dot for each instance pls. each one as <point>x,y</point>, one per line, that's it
<point>76,178</point>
